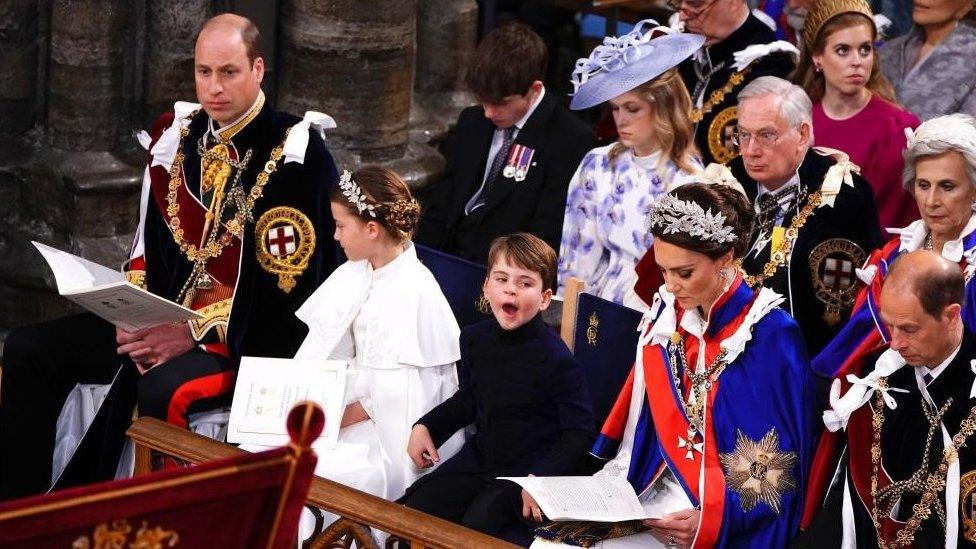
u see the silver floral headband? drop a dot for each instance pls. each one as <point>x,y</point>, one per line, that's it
<point>354,193</point>
<point>684,216</point>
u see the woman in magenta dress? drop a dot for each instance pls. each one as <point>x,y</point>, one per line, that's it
<point>854,107</point>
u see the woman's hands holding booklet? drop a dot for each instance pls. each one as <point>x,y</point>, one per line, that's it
<point>676,529</point>
<point>530,508</point>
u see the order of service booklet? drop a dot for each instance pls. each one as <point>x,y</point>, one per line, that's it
<point>108,294</point>
<point>268,388</point>
<point>595,498</point>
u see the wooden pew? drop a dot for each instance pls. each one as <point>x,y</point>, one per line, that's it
<point>359,510</point>
<point>242,502</point>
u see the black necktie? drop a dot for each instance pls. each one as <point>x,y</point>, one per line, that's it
<point>768,211</point>
<point>497,163</point>
<point>500,157</point>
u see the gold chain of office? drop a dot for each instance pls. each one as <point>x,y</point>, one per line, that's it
<point>698,114</point>
<point>701,382</point>
<point>779,255</point>
<point>934,482</point>
<point>234,227</point>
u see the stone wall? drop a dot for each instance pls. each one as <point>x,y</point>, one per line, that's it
<point>81,77</point>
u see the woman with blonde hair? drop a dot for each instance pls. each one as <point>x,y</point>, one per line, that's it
<point>615,186</point>
<point>854,107</point>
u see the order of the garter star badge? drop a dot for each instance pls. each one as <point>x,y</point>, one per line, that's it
<point>759,471</point>
<point>285,241</point>
<point>832,265</point>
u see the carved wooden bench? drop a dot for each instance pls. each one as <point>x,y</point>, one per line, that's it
<point>358,510</point>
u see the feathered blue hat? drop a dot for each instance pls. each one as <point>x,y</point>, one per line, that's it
<point>622,63</point>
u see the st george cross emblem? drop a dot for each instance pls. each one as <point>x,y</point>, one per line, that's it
<point>285,241</point>
<point>832,269</point>
<point>838,273</point>
<point>281,240</point>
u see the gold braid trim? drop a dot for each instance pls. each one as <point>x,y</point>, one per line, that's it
<point>216,315</point>
<point>587,534</point>
<point>782,252</point>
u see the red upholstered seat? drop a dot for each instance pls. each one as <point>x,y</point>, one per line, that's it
<point>249,501</point>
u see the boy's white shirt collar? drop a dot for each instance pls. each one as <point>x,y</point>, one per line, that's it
<point>528,114</point>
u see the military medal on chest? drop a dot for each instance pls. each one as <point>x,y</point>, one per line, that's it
<point>518,163</point>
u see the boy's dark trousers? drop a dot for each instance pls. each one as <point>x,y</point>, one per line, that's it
<point>480,502</point>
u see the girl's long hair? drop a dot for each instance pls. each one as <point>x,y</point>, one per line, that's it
<point>670,105</point>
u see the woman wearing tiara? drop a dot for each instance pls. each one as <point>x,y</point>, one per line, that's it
<point>615,185</point>
<point>383,312</point>
<point>714,427</point>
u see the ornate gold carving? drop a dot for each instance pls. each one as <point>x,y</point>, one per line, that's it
<point>482,304</point>
<point>720,135</point>
<point>137,278</point>
<point>117,535</point>
<point>285,241</point>
<point>591,330</point>
<point>759,471</point>
<point>832,264</point>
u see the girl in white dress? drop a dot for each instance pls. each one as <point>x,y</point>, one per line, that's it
<point>384,313</point>
<point>604,232</point>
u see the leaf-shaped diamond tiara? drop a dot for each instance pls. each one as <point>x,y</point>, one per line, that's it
<point>684,216</point>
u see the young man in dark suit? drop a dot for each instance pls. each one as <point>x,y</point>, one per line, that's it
<point>511,158</point>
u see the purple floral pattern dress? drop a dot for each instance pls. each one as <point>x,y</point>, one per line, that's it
<point>604,230</point>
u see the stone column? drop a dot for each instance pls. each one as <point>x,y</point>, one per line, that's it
<point>171,33</point>
<point>85,74</point>
<point>354,59</point>
<point>18,57</point>
<point>72,191</point>
<point>447,33</point>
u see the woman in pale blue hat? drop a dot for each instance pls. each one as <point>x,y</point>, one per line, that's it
<point>604,232</point>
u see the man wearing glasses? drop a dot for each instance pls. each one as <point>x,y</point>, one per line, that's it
<point>723,66</point>
<point>815,215</point>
